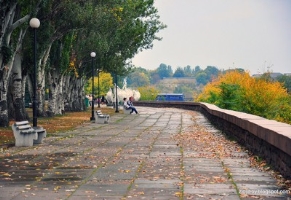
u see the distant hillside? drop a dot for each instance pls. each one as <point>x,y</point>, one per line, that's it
<point>186,85</point>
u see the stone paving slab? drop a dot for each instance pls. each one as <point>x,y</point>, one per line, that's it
<point>132,157</point>
<point>220,189</point>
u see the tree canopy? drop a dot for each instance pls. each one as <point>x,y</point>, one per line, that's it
<point>69,31</point>
<point>239,91</point>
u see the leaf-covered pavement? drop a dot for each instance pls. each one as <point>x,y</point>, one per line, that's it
<point>160,154</point>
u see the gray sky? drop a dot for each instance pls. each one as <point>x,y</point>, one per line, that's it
<point>251,34</point>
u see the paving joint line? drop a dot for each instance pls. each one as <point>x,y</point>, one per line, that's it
<point>110,158</point>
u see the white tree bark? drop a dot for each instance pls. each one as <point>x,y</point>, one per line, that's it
<point>17,90</point>
<point>81,94</point>
<point>15,81</point>
<point>8,26</point>
<point>5,69</point>
<point>75,95</point>
<point>41,75</point>
<point>56,101</point>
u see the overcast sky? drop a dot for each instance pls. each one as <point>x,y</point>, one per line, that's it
<point>251,34</point>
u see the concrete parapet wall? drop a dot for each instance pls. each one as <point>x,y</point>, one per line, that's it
<point>267,138</point>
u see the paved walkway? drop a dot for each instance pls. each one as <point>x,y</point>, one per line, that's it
<point>158,154</point>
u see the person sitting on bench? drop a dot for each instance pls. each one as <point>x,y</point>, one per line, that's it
<point>128,105</point>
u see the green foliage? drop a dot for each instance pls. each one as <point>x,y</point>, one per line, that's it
<point>66,50</point>
<point>230,96</point>
<point>211,71</point>
<point>286,81</point>
<point>105,83</point>
<point>236,90</point>
<point>60,54</point>
<point>154,77</point>
<point>148,93</point>
<point>283,111</point>
<point>164,71</point>
<point>6,53</point>
<point>188,87</point>
<point>179,72</point>
<point>202,78</point>
<point>138,79</point>
<point>197,69</point>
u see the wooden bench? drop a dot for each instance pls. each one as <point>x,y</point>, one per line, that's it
<point>25,135</point>
<point>101,118</point>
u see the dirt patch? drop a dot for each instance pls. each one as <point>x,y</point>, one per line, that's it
<point>53,125</point>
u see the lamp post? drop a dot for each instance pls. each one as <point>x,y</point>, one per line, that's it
<point>34,23</point>
<point>116,97</point>
<point>93,54</point>
<point>98,89</point>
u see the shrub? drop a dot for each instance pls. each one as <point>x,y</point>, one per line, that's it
<point>239,91</point>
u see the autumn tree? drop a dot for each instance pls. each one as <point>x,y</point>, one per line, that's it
<point>286,81</point>
<point>148,93</point>
<point>69,31</point>
<point>138,79</point>
<point>105,83</point>
<point>239,91</point>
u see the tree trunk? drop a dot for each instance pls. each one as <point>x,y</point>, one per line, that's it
<point>67,93</point>
<point>76,95</point>
<point>4,74</point>
<point>17,83</point>
<point>41,109</point>
<point>5,66</point>
<point>17,91</point>
<point>56,98</point>
<point>8,25</point>
<point>80,99</point>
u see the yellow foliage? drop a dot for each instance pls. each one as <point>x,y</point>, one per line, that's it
<point>117,13</point>
<point>148,92</point>
<point>259,97</point>
<point>253,88</point>
<point>105,82</point>
<point>72,66</point>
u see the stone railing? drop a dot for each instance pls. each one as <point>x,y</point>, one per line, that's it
<point>266,138</point>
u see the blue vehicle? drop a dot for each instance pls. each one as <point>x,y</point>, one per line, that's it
<point>170,97</point>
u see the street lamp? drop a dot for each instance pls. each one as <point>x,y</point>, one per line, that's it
<point>116,98</point>
<point>93,54</point>
<point>99,70</point>
<point>34,23</point>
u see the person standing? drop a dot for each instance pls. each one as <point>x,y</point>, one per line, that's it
<point>90,99</point>
<point>102,100</point>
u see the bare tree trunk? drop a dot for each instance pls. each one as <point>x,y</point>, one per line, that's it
<point>80,99</point>
<point>67,88</point>
<point>8,25</point>
<point>5,73</point>
<point>4,121</point>
<point>41,81</point>
<point>17,90</point>
<point>16,82</point>
<point>56,98</point>
<point>5,67</point>
<point>76,96</point>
